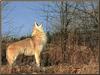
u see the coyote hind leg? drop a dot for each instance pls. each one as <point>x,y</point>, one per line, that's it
<point>11,56</point>
<point>10,61</point>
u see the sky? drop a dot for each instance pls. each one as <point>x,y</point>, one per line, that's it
<point>18,17</point>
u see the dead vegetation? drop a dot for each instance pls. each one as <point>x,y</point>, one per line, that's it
<point>57,69</point>
<point>80,60</point>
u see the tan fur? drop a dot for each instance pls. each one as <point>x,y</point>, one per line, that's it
<point>28,46</point>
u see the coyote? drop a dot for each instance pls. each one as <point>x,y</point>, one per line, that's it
<point>29,46</point>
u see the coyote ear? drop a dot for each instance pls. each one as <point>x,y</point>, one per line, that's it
<point>40,25</point>
<point>35,24</point>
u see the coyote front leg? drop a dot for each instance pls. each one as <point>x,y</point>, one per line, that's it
<point>37,58</point>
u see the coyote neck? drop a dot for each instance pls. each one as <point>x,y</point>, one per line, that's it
<point>42,38</point>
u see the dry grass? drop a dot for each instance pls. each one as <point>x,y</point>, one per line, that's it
<point>55,69</point>
<point>80,60</point>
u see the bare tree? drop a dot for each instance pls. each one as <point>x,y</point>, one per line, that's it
<point>72,21</point>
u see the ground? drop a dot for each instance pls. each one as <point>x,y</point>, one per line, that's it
<point>55,69</point>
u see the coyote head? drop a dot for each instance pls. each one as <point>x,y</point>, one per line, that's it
<point>38,29</point>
